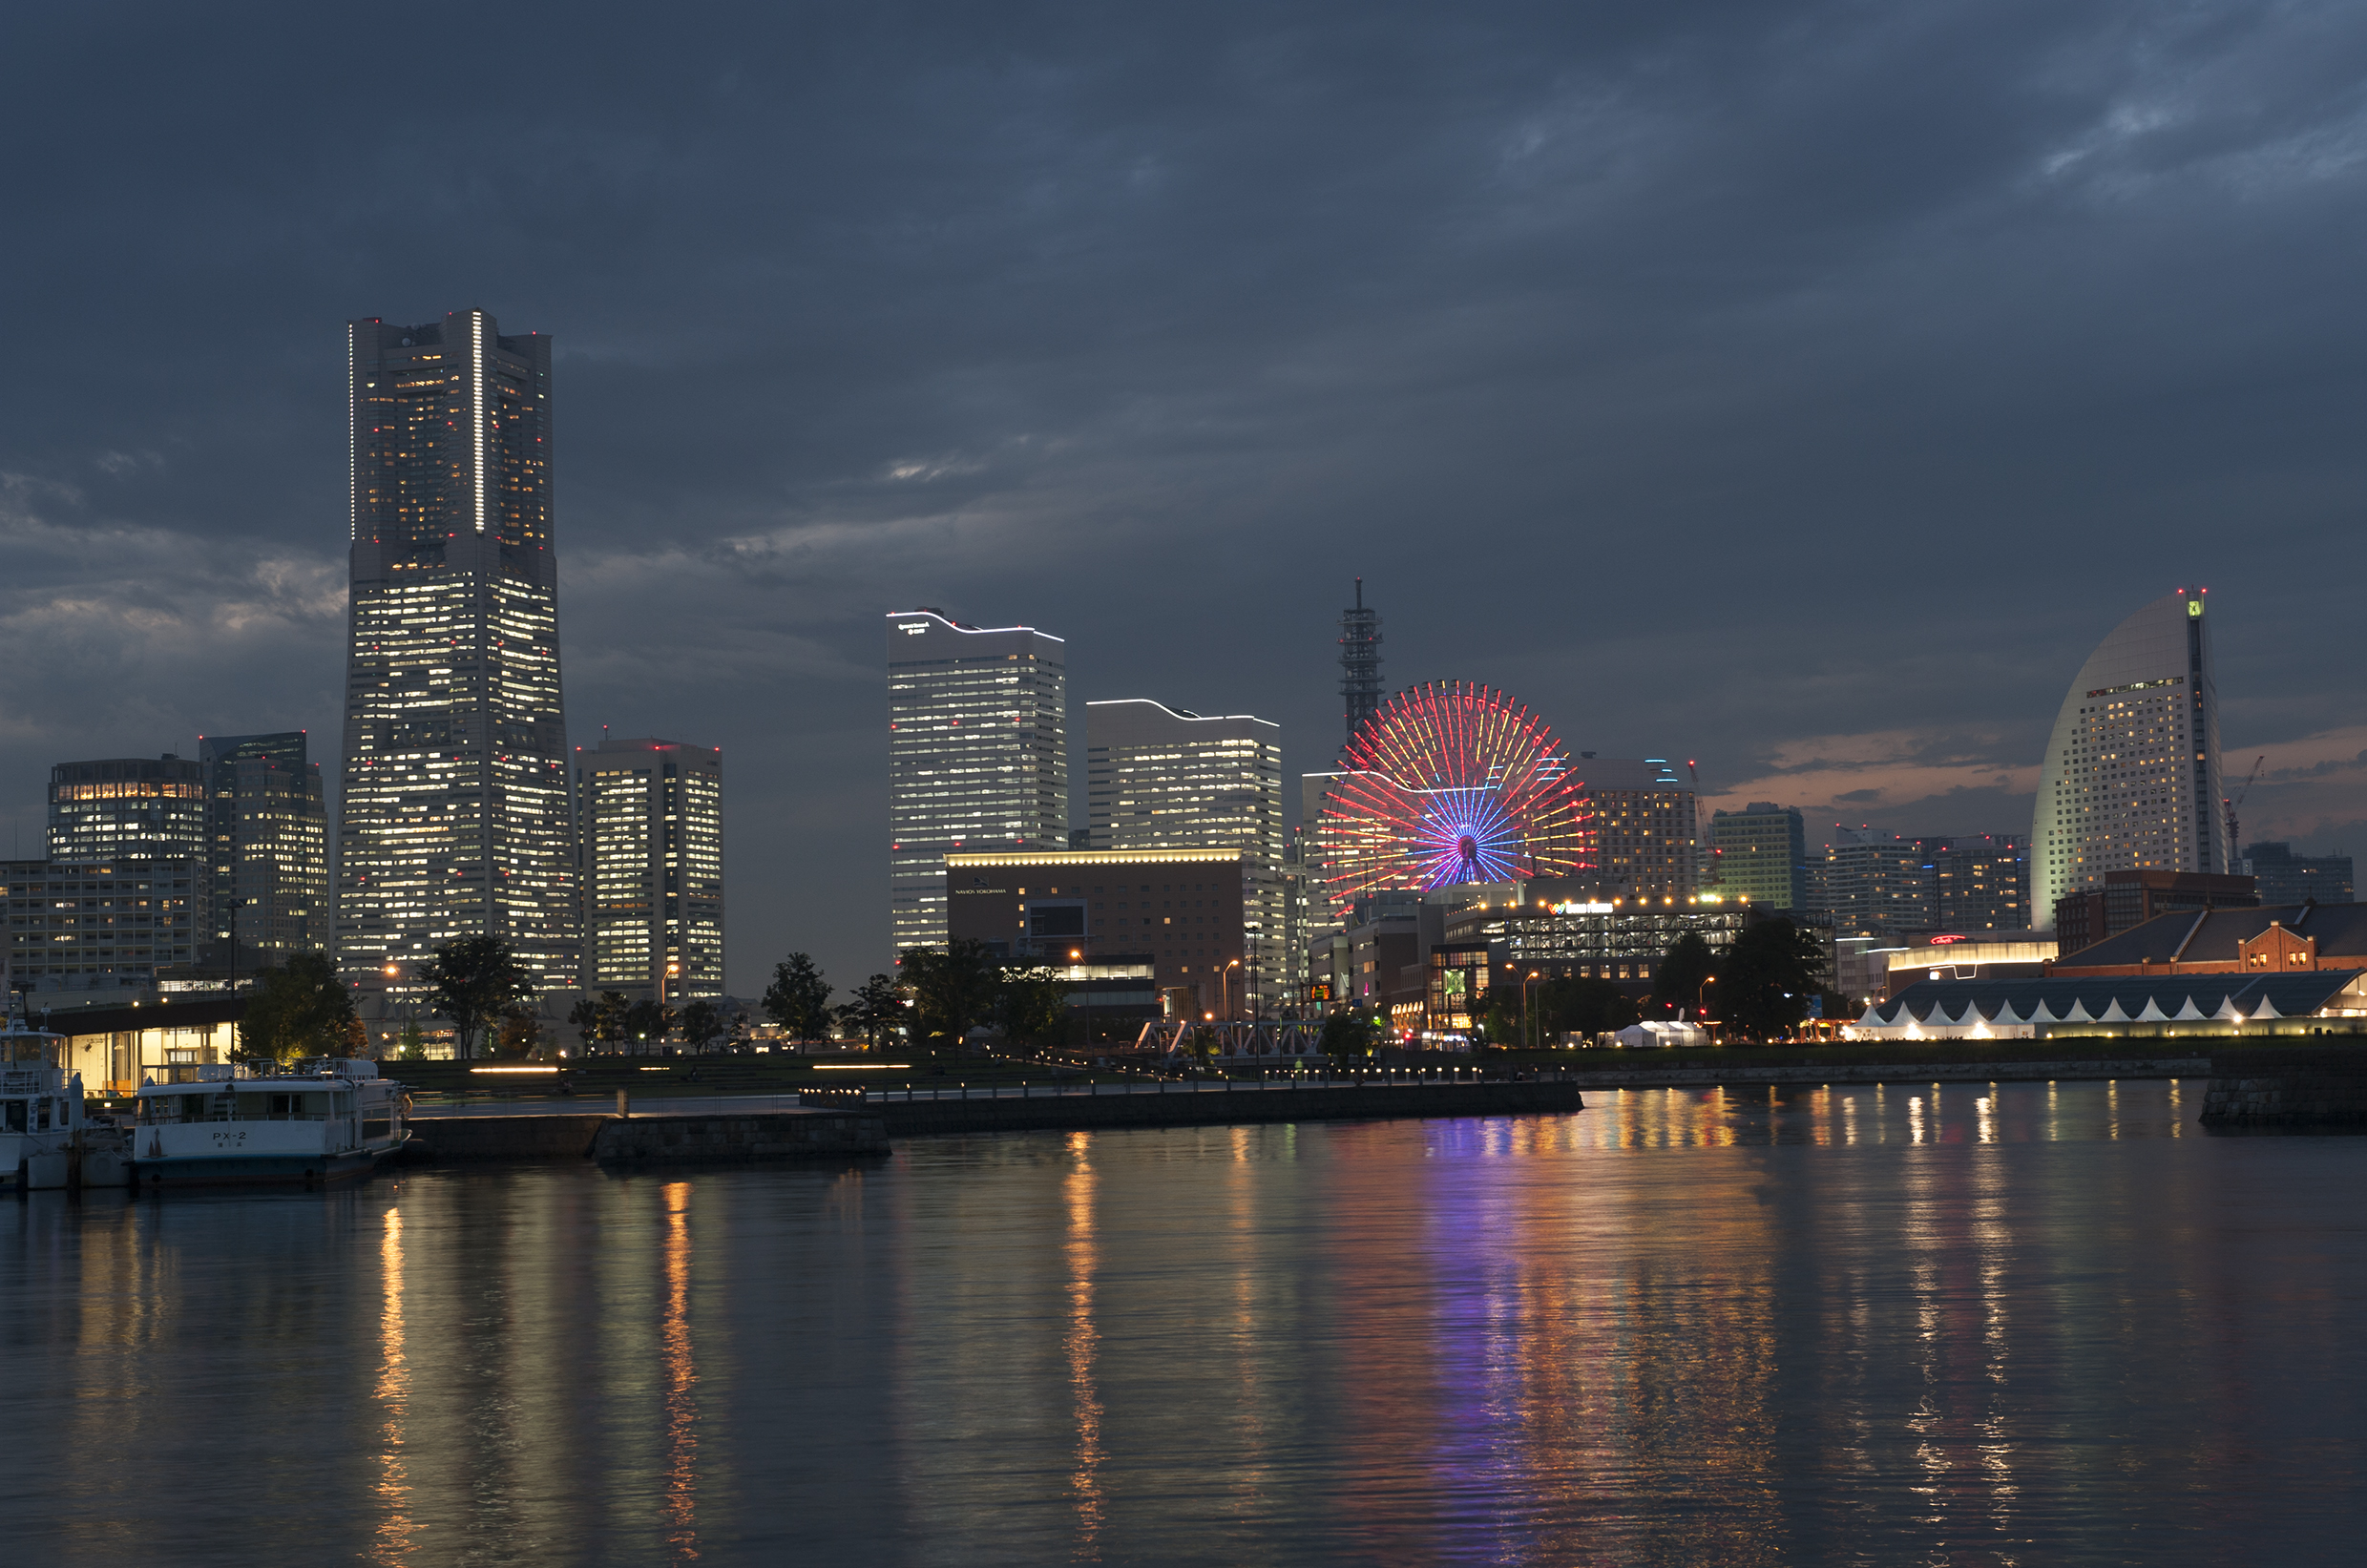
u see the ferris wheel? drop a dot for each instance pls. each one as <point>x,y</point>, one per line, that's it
<point>1450,782</point>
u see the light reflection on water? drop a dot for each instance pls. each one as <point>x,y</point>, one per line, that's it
<point>1961,1322</point>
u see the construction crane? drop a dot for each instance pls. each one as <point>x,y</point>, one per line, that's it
<point>2228,805</point>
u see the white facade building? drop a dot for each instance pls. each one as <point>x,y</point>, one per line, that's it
<point>1160,778</point>
<point>651,816</point>
<point>977,755</point>
<point>2131,777</point>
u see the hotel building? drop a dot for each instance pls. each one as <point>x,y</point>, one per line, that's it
<point>1647,827</point>
<point>2131,777</point>
<point>455,816</point>
<point>977,756</point>
<point>266,845</point>
<point>127,808</point>
<point>1762,855</point>
<point>103,926</point>
<point>1160,778</point>
<point>651,817</point>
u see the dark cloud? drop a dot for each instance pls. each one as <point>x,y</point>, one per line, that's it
<point>1800,389</point>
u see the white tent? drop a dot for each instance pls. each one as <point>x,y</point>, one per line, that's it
<point>2078,1013</point>
<point>2006,1017</point>
<point>1655,1032</point>
<point>2112,1014</point>
<point>2188,1014</point>
<point>2152,1014</point>
<point>2268,1010</point>
<point>2228,1011</point>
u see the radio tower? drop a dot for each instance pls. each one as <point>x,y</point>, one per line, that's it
<point>1360,661</point>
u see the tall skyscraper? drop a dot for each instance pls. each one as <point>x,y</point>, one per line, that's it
<point>1762,855</point>
<point>1646,827</point>
<point>127,808</point>
<point>1160,778</point>
<point>266,844</point>
<point>977,755</point>
<point>2131,776</point>
<point>456,817</point>
<point>1360,662</point>
<point>652,823</point>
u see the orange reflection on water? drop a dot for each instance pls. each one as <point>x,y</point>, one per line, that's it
<point>1081,1343</point>
<point>393,1395</point>
<point>681,1486</point>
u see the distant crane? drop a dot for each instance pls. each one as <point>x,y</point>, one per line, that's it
<point>2229,805</point>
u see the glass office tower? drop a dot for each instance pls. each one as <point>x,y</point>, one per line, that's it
<point>266,845</point>
<point>651,815</point>
<point>455,816</point>
<point>977,755</point>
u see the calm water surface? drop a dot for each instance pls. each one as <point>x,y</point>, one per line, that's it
<point>2027,1323</point>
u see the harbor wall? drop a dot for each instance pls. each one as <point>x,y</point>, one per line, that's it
<point>2268,1088</point>
<point>923,1118</point>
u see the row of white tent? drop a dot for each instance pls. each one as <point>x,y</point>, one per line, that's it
<point>1938,1017</point>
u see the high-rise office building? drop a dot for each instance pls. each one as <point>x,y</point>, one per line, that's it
<point>1879,884</point>
<point>977,755</point>
<point>1980,884</point>
<point>2282,877</point>
<point>127,808</point>
<point>651,819</point>
<point>456,817</point>
<point>1160,778</point>
<point>266,844</point>
<point>2131,777</point>
<point>1762,855</point>
<point>101,925</point>
<point>1646,827</point>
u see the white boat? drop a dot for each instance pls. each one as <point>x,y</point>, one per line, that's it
<point>40,1111</point>
<point>327,1121</point>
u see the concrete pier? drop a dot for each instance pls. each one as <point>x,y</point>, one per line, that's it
<point>916,1117</point>
<point>2272,1088</point>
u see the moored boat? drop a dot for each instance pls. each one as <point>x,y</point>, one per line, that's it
<point>40,1111</point>
<point>327,1121</point>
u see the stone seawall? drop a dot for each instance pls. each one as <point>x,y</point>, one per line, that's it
<point>2270,1088</point>
<point>1218,1108</point>
<point>1947,1072</point>
<point>610,1139</point>
<point>739,1139</point>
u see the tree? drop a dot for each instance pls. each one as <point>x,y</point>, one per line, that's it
<point>469,981</point>
<point>614,1013</point>
<point>648,1021</point>
<point>798,998</point>
<point>1677,979</point>
<point>1768,978</point>
<point>1582,1004</point>
<point>521,1033</point>
<point>302,1009</point>
<point>703,1024</point>
<point>1345,1036</point>
<point>1032,1007</point>
<point>951,989</point>
<point>877,1008</point>
<point>584,1018</point>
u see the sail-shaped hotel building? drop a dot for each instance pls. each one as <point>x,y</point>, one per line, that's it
<point>2131,777</point>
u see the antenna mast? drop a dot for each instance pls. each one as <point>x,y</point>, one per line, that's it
<point>1360,662</point>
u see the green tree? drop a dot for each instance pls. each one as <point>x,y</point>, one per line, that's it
<point>798,998</point>
<point>703,1024</point>
<point>614,1015</point>
<point>647,1023</point>
<point>521,1034</point>
<point>1677,979</point>
<point>1346,1037</point>
<point>951,989</point>
<point>1584,1004</point>
<point>1031,1006</point>
<point>470,981</point>
<point>877,1009</point>
<point>584,1018</point>
<point>1768,978</point>
<point>411,1045</point>
<point>302,1009</point>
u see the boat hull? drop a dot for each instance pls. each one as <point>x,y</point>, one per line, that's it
<point>226,1170</point>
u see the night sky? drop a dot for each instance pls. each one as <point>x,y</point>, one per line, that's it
<point>1799,388</point>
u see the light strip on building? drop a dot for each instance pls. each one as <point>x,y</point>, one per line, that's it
<point>1094,857</point>
<point>476,393</point>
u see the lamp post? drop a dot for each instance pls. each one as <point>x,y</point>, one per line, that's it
<point>1700,1000</point>
<point>1224,985</point>
<point>1527,1014</point>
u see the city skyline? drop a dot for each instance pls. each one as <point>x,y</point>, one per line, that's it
<point>1169,375</point>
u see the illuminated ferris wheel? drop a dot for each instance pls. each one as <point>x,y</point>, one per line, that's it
<point>1450,782</point>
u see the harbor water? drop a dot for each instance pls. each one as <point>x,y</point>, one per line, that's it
<point>1960,1324</point>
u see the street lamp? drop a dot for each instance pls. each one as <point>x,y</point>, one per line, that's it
<point>1223,986</point>
<point>1700,1000</point>
<point>1527,1015</point>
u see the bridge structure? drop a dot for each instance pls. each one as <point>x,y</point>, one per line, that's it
<point>1234,1044</point>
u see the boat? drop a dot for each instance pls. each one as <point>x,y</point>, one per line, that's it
<point>322,1121</point>
<point>40,1111</point>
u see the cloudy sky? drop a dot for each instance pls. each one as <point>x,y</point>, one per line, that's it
<point>1801,389</point>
